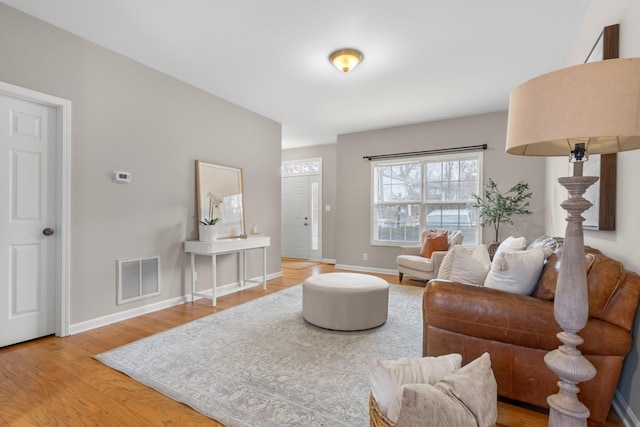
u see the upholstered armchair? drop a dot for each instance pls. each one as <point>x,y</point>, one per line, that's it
<point>410,262</point>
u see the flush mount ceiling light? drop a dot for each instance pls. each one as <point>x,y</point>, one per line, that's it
<point>346,60</point>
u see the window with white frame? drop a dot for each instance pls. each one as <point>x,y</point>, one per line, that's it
<point>434,192</point>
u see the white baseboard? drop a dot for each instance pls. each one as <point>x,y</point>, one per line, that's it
<point>365,269</point>
<point>150,308</point>
<point>328,261</point>
<point>624,412</point>
<point>235,287</point>
<point>98,322</point>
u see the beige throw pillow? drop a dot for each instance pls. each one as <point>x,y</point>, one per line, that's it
<point>466,397</point>
<point>388,375</point>
<point>445,266</point>
<point>466,264</point>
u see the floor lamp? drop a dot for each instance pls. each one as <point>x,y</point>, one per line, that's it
<point>587,109</point>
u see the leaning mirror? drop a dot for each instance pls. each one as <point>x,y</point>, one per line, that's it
<point>219,191</point>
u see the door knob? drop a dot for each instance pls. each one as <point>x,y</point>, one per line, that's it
<point>47,231</point>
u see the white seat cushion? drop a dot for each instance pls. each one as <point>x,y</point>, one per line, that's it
<point>415,262</point>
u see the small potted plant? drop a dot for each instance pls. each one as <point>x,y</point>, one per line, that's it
<point>207,231</point>
<point>497,208</point>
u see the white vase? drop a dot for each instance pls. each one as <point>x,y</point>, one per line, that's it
<point>207,233</point>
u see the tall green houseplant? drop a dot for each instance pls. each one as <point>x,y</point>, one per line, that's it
<point>497,208</point>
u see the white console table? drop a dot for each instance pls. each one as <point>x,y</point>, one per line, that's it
<point>226,246</point>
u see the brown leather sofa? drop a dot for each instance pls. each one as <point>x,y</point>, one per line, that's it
<point>519,330</point>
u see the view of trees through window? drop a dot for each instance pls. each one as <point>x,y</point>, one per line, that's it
<point>427,193</point>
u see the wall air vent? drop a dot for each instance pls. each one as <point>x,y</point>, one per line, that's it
<point>138,278</point>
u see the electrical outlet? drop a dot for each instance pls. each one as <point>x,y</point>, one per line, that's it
<point>364,256</point>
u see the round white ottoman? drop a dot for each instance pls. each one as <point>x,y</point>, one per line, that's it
<point>345,301</point>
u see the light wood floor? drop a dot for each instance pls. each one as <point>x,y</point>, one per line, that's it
<point>55,381</point>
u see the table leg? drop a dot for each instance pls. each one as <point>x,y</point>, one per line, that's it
<point>264,268</point>
<point>244,268</point>
<point>213,280</point>
<point>193,277</point>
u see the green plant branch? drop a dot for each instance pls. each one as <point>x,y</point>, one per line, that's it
<point>497,208</point>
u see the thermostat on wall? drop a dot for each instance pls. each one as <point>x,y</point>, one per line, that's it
<point>121,177</point>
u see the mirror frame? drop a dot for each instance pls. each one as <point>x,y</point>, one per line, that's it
<point>219,180</point>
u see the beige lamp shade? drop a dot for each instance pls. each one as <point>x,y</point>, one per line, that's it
<point>596,103</point>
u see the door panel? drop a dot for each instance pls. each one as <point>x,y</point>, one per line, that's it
<point>24,279</point>
<point>27,191</point>
<point>295,217</point>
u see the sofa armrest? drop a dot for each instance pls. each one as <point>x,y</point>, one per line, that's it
<point>520,320</point>
<point>409,250</point>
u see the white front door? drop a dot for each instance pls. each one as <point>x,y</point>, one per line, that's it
<point>28,138</point>
<point>295,217</point>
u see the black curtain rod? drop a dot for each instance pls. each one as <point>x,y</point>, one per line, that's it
<point>422,153</point>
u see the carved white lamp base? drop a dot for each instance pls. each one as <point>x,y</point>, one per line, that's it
<point>571,310</point>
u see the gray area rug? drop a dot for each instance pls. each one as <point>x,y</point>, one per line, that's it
<point>261,364</point>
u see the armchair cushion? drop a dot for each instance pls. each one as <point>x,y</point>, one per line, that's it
<point>434,241</point>
<point>455,238</point>
<point>415,262</point>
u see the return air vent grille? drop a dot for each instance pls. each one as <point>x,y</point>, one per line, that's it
<point>138,278</point>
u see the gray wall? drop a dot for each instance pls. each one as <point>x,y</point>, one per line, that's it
<point>126,116</point>
<point>621,244</point>
<point>328,154</point>
<point>354,179</point>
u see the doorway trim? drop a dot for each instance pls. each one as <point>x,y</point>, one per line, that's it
<point>63,188</point>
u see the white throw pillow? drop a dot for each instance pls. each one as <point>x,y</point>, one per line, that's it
<point>511,244</point>
<point>467,396</point>
<point>516,272</point>
<point>466,264</point>
<point>388,375</point>
<point>445,266</point>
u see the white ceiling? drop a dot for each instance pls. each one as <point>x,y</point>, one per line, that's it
<point>424,59</point>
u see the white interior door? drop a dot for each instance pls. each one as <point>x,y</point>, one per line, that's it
<point>295,217</point>
<point>28,138</point>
